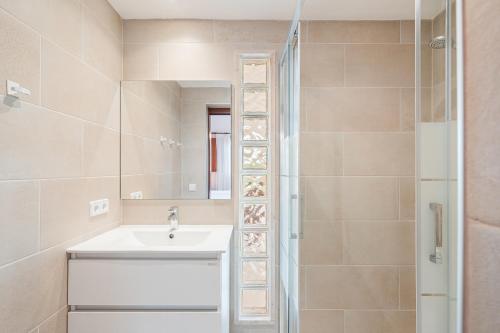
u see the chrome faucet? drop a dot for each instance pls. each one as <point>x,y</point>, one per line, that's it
<point>173,218</point>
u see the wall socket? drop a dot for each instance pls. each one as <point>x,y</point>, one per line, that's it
<point>99,207</point>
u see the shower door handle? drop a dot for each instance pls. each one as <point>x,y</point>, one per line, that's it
<point>437,256</point>
<point>298,233</point>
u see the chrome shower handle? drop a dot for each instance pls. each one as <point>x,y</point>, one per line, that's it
<point>437,256</point>
<point>299,233</point>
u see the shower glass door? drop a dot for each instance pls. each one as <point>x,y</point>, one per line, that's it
<point>438,170</point>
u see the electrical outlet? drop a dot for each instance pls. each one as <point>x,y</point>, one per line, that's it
<point>99,207</point>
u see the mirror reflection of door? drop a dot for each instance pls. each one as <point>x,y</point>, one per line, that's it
<point>219,147</point>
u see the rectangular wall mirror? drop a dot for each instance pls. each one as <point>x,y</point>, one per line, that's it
<point>176,139</point>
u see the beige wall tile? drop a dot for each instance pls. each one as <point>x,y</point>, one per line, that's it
<point>28,11</point>
<point>408,107</point>
<point>380,321</point>
<point>320,194</point>
<point>251,31</point>
<point>56,323</point>
<point>101,49</point>
<point>379,243</point>
<point>342,109</point>
<point>64,212</point>
<point>408,31</point>
<point>190,211</point>
<point>33,289</point>
<point>384,154</point>
<point>28,132</point>
<point>481,278</point>
<point>407,288</point>
<point>343,287</point>
<point>62,24</point>
<point>354,32</point>
<point>101,151</point>
<point>168,31</point>
<point>322,243</point>
<point>322,65</point>
<point>407,198</point>
<point>321,154</point>
<point>76,89</point>
<point>140,62</point>
<point>379,66</point>
<point>20,57</point>
<point>19,220</point>
<point>373,198</point>
<point>322,321</point>
<point>106,15</point>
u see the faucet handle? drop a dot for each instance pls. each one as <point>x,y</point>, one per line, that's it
<point>173,210</point>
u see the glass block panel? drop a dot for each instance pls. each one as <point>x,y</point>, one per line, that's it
<point>254,128</point>
<point>254,301</point>
<point>254,271</point>
<point>254,158</point>
<point>254,243</point>
<point>254,214</point>
<point>255,72</point>
<point>255,100</point>
<point>254,186</point>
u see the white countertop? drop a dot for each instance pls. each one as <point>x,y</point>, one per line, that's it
<point>154,240</point>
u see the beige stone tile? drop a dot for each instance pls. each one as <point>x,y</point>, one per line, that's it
<point>101,49</point>
<point>426,66</point>
<point>319,201</point>
<point>57,323</point>
<point>197,61</point>
<point>74,88</point>
<point>322,321</point>
<point>322,243</point>
<point>62,24</point>
<point>379,154</point>
<point>20,57</point>
<point>407,198</point>
<point>379,243</point>
<point>407,288</point>
<point>18,220</point>
<point>132,155</point>
<point>140,62</point>
<point>32,289</point>
<point>190,211</point>
<point>37,143</point>
<point>343,109</point>
<point>379,66</point>
<point>321,154</point>
<point>343,287</point>
<point>354,32</point>
<point>373,198</point>
<point>322,65</point>
<point>106,15</point>
<point>28,11</point>
<point>380,321</point>
<point>408,107</point>
<point>251,31</point>
<point>101,151</point>
<point>481,277</point>
<point>168,31</point>
<point>64,212</point>
<point>408,31</point>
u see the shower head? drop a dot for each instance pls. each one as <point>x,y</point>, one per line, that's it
<point>438,42</point>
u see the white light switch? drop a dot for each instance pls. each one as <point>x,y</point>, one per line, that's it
<point>98,207</point>
<point>192,187</point>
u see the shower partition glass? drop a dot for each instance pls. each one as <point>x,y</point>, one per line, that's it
<point>439,176</point>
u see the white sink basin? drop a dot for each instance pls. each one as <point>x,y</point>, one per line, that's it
<point>152,240</point>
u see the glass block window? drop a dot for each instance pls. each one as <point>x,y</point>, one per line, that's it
<point>254,100</point>
<point>254,301</point>
<point>254,215</point>
<point>255,288</point>
<point>254,128</point>
<point>254,158</point>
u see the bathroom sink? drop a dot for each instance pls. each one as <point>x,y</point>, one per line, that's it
<point>167,238</point>
<point>157,241</point>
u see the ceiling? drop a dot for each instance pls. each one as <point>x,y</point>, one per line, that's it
<point>271,9</point>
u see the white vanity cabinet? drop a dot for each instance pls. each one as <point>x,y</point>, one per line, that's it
<point>167,289</point>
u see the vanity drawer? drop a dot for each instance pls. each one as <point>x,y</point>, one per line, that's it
<point>144,322</point>
<point>164,284</point>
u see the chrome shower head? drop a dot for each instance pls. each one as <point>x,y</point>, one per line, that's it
<point>438,42</point>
